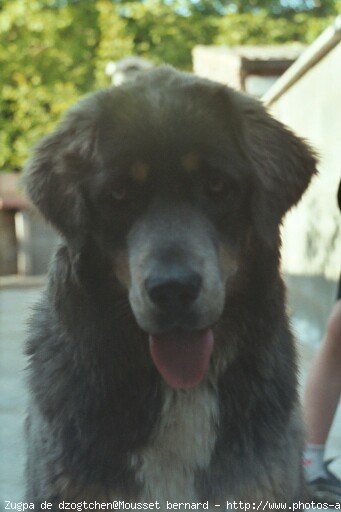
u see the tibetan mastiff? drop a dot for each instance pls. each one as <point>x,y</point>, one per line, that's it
<point>162,367</point>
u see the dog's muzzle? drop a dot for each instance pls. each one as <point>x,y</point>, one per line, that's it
<point>181,355</point>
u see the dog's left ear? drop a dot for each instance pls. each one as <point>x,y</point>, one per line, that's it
<point>283,165</point>
<point>54,175</point>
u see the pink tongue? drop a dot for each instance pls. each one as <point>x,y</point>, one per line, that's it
<point>182,357</point>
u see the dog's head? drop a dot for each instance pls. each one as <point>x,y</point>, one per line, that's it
<point>169,177</point>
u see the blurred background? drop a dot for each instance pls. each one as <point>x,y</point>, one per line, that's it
<point>286,53</point>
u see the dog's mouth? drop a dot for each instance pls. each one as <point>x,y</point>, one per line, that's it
<point>182,357</point>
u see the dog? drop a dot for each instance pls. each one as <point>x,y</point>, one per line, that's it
<point>162,367</point>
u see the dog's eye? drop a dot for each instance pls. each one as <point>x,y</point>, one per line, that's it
<point>119,193</point>
<point>216,185</point>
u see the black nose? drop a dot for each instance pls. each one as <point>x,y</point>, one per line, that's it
<point>176,291</point>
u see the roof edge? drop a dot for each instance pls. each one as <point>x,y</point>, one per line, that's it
<point>329,38</point>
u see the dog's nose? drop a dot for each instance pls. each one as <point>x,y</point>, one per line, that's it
<point>177,291</point>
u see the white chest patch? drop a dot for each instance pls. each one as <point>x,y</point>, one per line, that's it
<point>183,442</point>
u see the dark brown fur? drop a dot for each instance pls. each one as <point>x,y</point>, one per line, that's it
<point>171,171</point>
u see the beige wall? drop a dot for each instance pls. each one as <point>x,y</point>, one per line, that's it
<point>312,230</point>
<point>217,63</point>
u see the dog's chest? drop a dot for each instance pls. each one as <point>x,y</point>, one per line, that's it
<point>182,443</point>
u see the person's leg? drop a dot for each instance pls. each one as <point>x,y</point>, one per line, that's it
<point>324,382</point>
<point>322,395</point>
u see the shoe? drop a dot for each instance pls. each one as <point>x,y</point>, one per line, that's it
<point>326,489</point>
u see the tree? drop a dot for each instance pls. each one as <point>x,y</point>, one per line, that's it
<point>47,60</point>
<point>54,51</point>
<point>260,28</point>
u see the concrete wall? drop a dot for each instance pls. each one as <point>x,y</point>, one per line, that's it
<point>312,108</point>
<point>36,243</point>
<point>312,230</point>
<point>8,243</point>
<point>218,63</point>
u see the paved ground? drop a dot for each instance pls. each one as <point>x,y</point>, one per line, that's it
<point>15,305</point>
<point>14,310</point>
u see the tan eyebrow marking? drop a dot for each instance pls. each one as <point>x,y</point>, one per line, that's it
<point>191,162</point>
<point>139,171</point>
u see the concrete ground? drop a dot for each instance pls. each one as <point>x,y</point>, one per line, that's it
<point>15,305</point>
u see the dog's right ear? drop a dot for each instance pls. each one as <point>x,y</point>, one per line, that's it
<point>282,163</point>
<point>54,175</point>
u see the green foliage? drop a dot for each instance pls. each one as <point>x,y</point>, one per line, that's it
<point>47,60</point>
<point>260,28</point>
<point>162,34</point>
<point>114,41</point>
<point>54,51</point>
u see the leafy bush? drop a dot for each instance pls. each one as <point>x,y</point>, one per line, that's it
<point>260,28</point>
<point>54,51</point>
